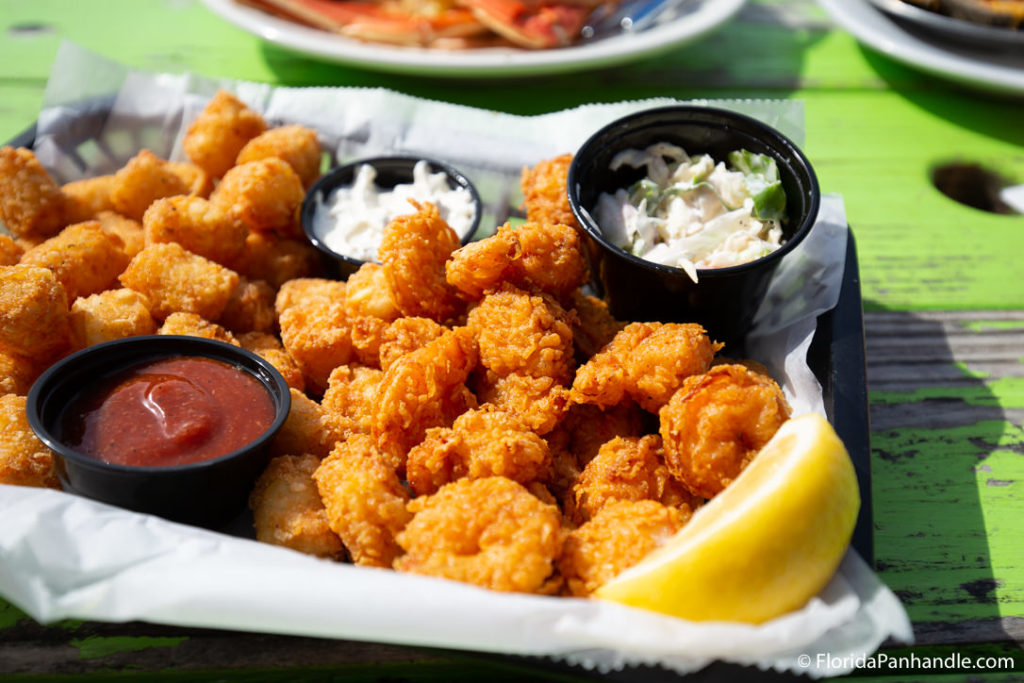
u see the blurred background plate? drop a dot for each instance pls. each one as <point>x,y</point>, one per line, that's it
<point>1001,72</point>
<point>703,18</point>
<point>940,26</point>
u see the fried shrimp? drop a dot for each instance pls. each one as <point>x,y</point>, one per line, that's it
<point>544,191</point>
<point>489,532</point>
<point>423,389</point>
<point>541,257</point>
<point>627,468</point>
<point>480,443</point>
<point>539,403</point>
<point>414,249</point>
<point>717,422</point>
<point>646,362</point>
<point>365,502</point>
<point>616,538</point>
<point>525,334</point>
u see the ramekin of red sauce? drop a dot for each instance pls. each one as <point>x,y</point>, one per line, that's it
<point>170,425</point>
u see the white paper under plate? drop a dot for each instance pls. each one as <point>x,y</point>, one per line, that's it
<point>66,557</point>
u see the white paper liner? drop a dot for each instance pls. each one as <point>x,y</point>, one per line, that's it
<point>62,556</point>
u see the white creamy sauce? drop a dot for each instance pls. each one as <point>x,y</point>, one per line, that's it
<point>352,219</point>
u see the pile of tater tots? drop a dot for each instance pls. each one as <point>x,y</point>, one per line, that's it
<point>467,412</point>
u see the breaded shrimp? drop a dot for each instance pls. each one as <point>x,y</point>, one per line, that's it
<point>717,422</point>
<point>365,501</point>
<point>31,203</point>
<point>480,443</point>
<point>489,532</point>
<point>414,249</point>
<point>424,388</point>
<point>24,459</point>
<point>539,403</point>
<point>588,427</point>
<point>217,135</point>
<point>405,335</point>
<point>616,538</point>
<point>523,334</point>
<point>627,468</point>
<point>538,257</point>
<point>350,400</point>
<point>545,197</point>
<point>287,509</point>
<point>646,362</point>
<point>593,326</point>
<point>367,293</point>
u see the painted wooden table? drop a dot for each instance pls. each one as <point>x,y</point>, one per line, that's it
<point>942,286</point>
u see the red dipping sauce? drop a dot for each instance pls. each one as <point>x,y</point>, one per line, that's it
<point>171,411</point>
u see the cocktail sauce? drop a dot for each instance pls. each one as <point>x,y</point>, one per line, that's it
<point>172,411</point>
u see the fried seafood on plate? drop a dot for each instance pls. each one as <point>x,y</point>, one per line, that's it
<point>480,443</point>
<point>542,257</point>
<point>646,362</point>
<point>717,422</point>
<point>490,532</point>
<point>351,398</point>
<point>288,511</point>
<point>405,335</point>
<point>539,403</point>
<point>365,501</point>
<point>414,249</point>
<point>544,195</point>
<point>617,537</point>
<point>319,337</point>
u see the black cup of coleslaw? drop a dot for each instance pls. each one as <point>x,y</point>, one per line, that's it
<point>724,300</point>
<point>391,171</point>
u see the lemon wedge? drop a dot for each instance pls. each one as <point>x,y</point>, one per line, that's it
<point>763,546</point>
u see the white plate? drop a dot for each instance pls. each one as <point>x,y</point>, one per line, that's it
<point>706,17</point>
<point>941,26</point>
<point>999,72</point>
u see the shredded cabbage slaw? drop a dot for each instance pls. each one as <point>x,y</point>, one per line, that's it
<point>691,212</point>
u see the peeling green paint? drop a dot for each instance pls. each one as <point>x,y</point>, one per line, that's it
<point>95,647</point>
<point>1006,392</point>
<point>993,325</point>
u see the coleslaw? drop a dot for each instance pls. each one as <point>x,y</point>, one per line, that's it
<point>693,212</point>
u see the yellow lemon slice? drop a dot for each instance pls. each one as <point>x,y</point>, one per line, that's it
<point>763,546</point>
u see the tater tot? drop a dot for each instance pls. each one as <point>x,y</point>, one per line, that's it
<point>85,258</point>
<point>130,231</point>
<point>174,279</point>
<point>88,197</point>
<point>24,459</point>
<point>33,313</point>
<point>192,325</point>
<point>144,179</point>
<point>266,195</point>
<point>275,260</point>
<point>202,227</point>
<point>10,251</point>
<point>16,373</point>
<point>305,430</point>
<point>297,145</point>
<point>250,308</point>
<point>31,203</point>
<point>319,338</point>
<point>197,180</point>
<point>287,509</point>
<point>214,139</point>
<point>268,347</point>
<point>112,314</point>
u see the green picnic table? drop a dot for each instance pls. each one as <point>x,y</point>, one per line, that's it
<point>941,283</point>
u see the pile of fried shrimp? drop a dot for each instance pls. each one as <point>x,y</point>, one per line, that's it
<point>466,412</point>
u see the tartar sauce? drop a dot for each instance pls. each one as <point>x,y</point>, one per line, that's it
<point>691,212</point>
<point>352,219</point>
